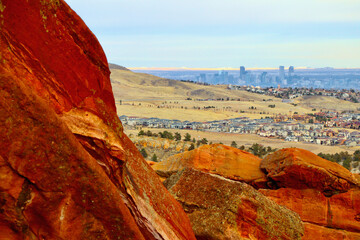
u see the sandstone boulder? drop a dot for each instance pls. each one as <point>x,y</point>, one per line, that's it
<point>313,231</point>
<point>336,217</point>
<point>218,159</point>
<point>341,211</point>
<point>301,169</point>
<point>67,169</point>
<point>219,208</point>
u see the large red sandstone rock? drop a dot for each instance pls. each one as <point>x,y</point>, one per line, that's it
<point>345,211</point>
<point>301,169</point>
<point>219,159</point>
<point>313,231</point>
<point>341,211</point>
<point>67,170</point>
<point>219,208</point>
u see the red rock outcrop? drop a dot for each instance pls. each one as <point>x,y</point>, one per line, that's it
<point>301,169</point>
<point>219,159</point>
<point>313,231</point>
<point>219,208</point>
<point>67,170</point>
<point>324,194</point>
<point>340,211</point>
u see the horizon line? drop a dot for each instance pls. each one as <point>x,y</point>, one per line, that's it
<point>230,68</point>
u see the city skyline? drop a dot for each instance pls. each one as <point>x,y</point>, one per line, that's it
<point>214,34</point>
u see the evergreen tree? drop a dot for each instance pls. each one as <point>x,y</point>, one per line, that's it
<point>204,141</point>
<point>143,153</point>
<point>154,158</point>
<point>233,144</point>
<point>187,137</point>
<point>177,136</point>
<point>257,149</point>
<point>192,147</point>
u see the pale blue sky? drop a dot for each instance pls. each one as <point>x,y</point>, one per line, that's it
<point>226,33</point>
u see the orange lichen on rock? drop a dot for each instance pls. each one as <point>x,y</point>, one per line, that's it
<point>301,169</point>
<point>219,208</point>
<point>219,159</point>
<point>67,169</point>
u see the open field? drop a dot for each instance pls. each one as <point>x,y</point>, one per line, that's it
<point>249,139</point>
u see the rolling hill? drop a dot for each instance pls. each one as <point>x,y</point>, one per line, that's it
<point>145,95</point>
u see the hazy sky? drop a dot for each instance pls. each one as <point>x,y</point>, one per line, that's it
<point>226,33</point>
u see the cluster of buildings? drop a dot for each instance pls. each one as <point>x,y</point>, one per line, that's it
<point>292,93</point>
<point>328,78</point>
<point>290,130</point>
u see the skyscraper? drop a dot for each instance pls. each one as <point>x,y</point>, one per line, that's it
<point>242,72</point>
<point>263,77</point>
<point>291,71</point>
<point>281,72</point>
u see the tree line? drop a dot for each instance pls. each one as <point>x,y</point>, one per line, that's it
<point>343,157</point>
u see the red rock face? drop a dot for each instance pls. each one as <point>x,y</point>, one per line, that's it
<point>340,211</point>
<point>301,169</point>
<point>313,231</point>
<point>313,186</point>
<point>66,168</point>
<point>219,208</point>
<point>219,159</point>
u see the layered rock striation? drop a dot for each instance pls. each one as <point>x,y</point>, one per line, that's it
<point>67,170</point>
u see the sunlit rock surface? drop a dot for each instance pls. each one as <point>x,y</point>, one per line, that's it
<point>301,169</point>
<point>218,159</point>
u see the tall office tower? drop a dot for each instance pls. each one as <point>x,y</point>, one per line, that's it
<point>202,77</point>
<point>281,72</point>
<point>242,72</point>
<point>291,71</point>
<point>263,77</point>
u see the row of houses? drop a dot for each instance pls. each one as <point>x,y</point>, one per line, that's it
<point>287,130</point>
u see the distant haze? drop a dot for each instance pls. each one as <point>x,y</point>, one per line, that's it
<point>227,33</point>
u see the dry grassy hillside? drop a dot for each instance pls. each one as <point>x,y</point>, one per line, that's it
<point>327,103</point>
<point>146,95</point>
<point>127,85</point>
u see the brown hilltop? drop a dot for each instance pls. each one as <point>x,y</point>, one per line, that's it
<point>67,170</point>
